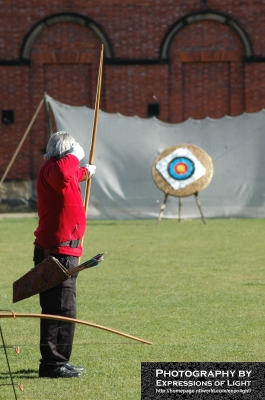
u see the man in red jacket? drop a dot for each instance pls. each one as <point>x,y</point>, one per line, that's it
<point>61,227</point>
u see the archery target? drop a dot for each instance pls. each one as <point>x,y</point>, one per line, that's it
<point>182,170</point>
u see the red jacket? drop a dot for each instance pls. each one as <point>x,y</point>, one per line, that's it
<point>60,208</point>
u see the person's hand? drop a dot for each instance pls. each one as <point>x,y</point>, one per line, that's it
<point>91,168</point>
<point>77,151</point>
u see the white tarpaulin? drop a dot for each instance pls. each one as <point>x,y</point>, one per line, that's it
<point>126,148</point>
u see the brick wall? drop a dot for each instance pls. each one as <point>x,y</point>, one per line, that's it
<point>206,71</point>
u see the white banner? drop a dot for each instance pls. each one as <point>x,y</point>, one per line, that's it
<point>126,148</point>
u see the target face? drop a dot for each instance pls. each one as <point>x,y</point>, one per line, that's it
<point>180,168</point>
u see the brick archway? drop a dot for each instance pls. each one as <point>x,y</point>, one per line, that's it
<point>64,17</point>
<point>206,16</point>
<point>64,60</point>
<point>206,68</point>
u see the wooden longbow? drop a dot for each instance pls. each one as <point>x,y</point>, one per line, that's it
<point>94,136</point>
<point>94,130</point>
<point>14,315</point>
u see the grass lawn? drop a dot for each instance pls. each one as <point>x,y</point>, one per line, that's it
<point>195,291</point>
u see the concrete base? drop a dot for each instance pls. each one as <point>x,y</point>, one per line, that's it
<point>18,196</point>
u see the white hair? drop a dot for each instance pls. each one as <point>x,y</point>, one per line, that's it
<point>59,145</point>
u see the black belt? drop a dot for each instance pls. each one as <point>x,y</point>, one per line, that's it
<point>71,243</point>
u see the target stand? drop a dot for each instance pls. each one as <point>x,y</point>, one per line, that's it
<point>180,171</point>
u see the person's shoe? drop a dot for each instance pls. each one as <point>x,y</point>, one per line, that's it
<point>73,368</point>
<point>61,372</point>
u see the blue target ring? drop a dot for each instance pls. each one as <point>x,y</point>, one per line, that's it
<point>181,168</point>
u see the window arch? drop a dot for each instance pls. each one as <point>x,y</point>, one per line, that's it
<point>64,17</point>
<point>202,16</point>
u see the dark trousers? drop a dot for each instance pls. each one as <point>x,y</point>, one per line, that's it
<point>56,337</point>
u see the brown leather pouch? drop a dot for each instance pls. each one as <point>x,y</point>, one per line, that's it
<point>49,273</point>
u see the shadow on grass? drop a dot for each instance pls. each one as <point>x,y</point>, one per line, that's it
<point>21,373</point>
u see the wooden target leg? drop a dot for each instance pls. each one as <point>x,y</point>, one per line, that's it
<point>199,206</point>
<point>163,206</point>
<point>180,201</point>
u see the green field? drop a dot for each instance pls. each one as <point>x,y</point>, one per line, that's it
<point>195,291</point>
